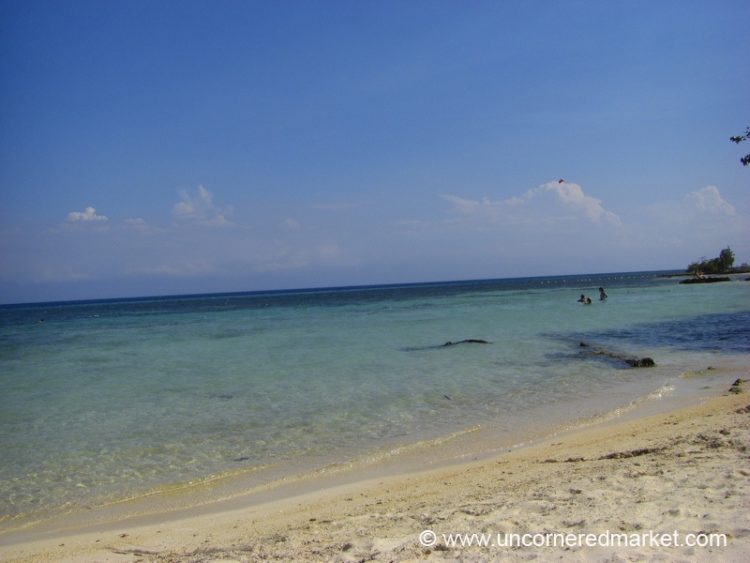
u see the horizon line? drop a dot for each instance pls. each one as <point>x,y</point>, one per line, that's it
<point>318,289</point>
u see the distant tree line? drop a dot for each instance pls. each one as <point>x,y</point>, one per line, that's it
<point>719,265</point>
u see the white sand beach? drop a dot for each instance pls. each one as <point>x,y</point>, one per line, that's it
<point>658,483</point>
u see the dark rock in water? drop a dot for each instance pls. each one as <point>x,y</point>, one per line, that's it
<point>466,341</point>
<point>707,280</point>
<point>243,458</point>
<point>632,362</point>
<point>447,344</point>
<point>737,386</point>
<point>640,362</point>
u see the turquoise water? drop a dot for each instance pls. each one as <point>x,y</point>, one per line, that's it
<point>110,399</point>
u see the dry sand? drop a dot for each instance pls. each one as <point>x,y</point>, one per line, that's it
<point>685,471</point>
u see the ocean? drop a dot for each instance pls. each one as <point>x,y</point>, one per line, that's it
<point>114,399</point>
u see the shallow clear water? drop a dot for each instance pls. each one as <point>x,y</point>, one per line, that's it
<point>109,399</point>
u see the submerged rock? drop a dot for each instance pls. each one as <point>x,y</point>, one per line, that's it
<point>640,362</point>
<point>466,341</point>
<point>632,362</point>
<point>737,387</point>
<point>446,345</point>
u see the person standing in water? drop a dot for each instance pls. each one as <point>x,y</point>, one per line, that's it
<point>602,294</point>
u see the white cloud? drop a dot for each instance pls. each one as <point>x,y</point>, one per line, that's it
<point>87,215</point>
<point>683,229</point>
<point>467,206</point>
<point>705,206</point>
<point>549,202</point>
<point>200,208</point>
<point>140,226</point>
<point>292,224</point>
<point>281,257</point>
<point>709,200</point>
<point>573,197</point>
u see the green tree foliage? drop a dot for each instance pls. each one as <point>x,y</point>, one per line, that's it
<point>719,265</point>
<point>745,160</point>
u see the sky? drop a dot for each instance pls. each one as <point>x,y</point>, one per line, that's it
<point>169,147</point>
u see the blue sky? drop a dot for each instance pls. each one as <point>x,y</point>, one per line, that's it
<point>155,147</point>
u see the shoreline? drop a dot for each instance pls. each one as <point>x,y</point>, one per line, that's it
<point>206,533</point>
<point>262,484</point>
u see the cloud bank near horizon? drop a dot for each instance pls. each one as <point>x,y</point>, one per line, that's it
<point>556,227</point>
